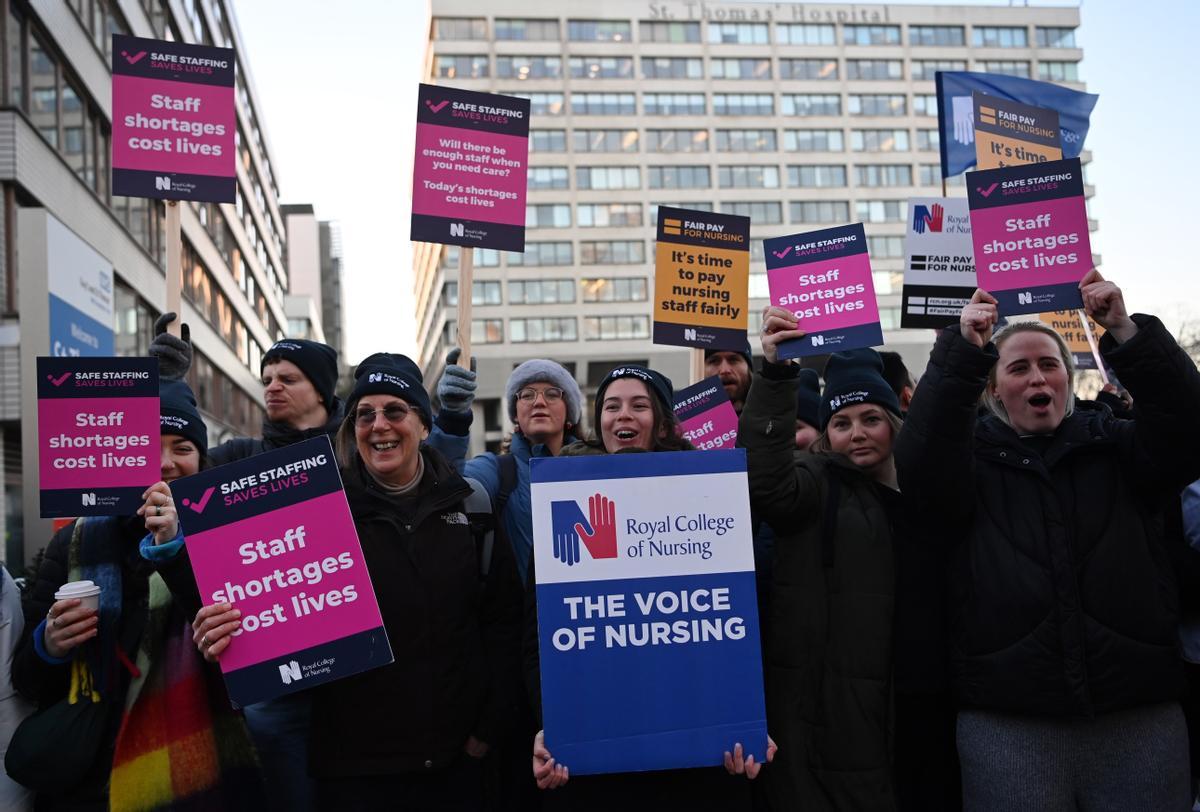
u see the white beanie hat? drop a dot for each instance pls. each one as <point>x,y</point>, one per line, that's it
<point>547,371</point>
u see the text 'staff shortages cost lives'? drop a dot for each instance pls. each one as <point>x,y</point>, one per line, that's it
<point>273,535</point>
<point>939,267</point>
<point>173,121</point>
<point>647,615</point>
<point>824,277</point>
<point>98,447</point>
<point>469,173</point>
<point>1030,229</point>
<point>706,415</point>
<point>701,279</point>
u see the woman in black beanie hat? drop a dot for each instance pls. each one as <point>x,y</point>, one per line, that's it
<point>633,411</point>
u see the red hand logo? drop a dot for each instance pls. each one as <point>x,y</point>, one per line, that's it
<point>602,514</point>
<point>935,222</point>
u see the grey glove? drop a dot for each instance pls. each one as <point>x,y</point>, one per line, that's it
<point>174,354</point>
<point>456,387</point>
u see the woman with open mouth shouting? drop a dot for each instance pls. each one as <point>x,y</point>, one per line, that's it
<point>1063,604</point>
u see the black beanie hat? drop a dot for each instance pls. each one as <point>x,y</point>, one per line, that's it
<point>317,361</point>
<point>659,385</point>
<point>855,377</point>
<point>808,399</point>
<point>387,373</point>
<point>743,350</point>
<point>178,415</point>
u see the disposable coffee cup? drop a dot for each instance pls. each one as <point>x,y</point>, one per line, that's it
<point>87,592</point>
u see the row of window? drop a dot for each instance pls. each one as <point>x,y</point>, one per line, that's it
<point>555,328</point>
<point>478,66</point>
<point>735,176</point>
<point>982,36</point>
<point>553,291</point>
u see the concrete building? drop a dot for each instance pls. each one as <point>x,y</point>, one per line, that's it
<point>81,270</point>
<point>801,116</point>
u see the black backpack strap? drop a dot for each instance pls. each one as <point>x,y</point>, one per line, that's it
<point>478,507</point>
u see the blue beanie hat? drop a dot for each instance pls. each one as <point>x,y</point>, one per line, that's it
<point>317,361</point>
<point>808,399</point>
<point>178,414</point>
<point>855,377</point>
<point>386,373</point>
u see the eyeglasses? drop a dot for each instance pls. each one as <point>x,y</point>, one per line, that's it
<point>552,394</point>
<point>393,414</point>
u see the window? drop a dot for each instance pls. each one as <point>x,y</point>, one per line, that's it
<point>805,34</point>
<point>882,104</point>
<point>672,67</point>
<point>931,175</point>
<point>541,104</point>
<point>676,140</point>
<point>748,177</point>
<point>673,104</point>
<point>605,140</point>
<point>601,67</point>
<point>1055,37</point>
<point>43,90</point>
<point>879,140</point>
<point>883,175</point>
<point>529,30</point>
<point>548,215</point>
<point>535,331</point>
<point>656,31</point>
<point>928,140</point>
<point>743,104</point>
<point>738,33</point>
<point>816,176</point>
<point>540,291</point>
<point>543,254</point>
<point>548,177</point>
<point>999,37</point>
<point>809,69</point>
<point>695,206</point>
<point>611,252</point>
<point>547,141</point>
<point>487,331</point>
<point>813,141</point>
<point>1058,71</point>
<point>740,68</point>
<point>760,212</point>
<point>1008,67</point>
<point>483,258</point>
<point>608,177</point>
<point>874,69</point>
<point>746,141</point>
<point>602,215</point>
<point>678,177</point>
<point>77,133</point>
<point>459,28</point>
<point>603,104</point>
<point>599,30</point>
<point>936,35</point>
<point>925,69</point>
<point>881,211</point>
<point>883,247</point>
<point>483,292</point>
<point>614,289</point>
<point>819,211</point>
<point>925,104</point>
<point>460,66</point>
<point>811,104</point>
<point>529,67</point>
<point>870,35</point>
<point>611,328</point>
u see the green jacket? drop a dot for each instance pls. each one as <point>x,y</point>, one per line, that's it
<point>829,651</point>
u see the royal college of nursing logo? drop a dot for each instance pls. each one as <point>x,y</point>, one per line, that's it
<point>597,530</point>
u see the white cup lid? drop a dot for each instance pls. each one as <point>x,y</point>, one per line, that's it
<point>77,589</point>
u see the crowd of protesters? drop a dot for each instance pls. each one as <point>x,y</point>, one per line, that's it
<point>973,588</point>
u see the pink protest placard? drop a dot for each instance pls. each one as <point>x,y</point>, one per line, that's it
<point>1030,230</point>
<point>706,415</point>
<point>273,535</point>
<point>98,429</point>
<point>173,120</point>
<point>470,168</point>
<point>824,277</point>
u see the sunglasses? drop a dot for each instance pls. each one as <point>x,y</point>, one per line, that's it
<point>393,414</point>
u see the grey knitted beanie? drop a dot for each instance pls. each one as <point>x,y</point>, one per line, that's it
<point>547,371</point>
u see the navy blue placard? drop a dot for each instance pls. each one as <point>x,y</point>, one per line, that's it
<point>615,466</point>
<point>96,378</point>
<point>704,229</point>
<point>699,397</point>
<point>824,342</point>
<point>173,185</point>
<point>66,502</point>
<point>815,246</point>
<point>1027,183</point>
<point>701,336</point>
<point>471,110</point>
<point>1041,299</point>
<point>172,61</point>
<point>468,233</point>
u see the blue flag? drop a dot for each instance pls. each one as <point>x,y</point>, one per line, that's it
<point>956,112</point>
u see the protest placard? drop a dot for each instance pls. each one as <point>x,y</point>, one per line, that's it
<point>647,614</point>
<point>939,266</point>
<point>701,278</point>
<point>1008,133</point>
<point>273,535</point>
<point>824,277</point>
<point>469,173</point>
<point>173,120</point>
<point>98,446</point>
<point>1030,229</point>
<point>1069,325</point>
<point>706,415</point>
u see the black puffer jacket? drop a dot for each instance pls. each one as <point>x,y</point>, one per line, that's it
<point>1062,600</point>
<point>274,435</point>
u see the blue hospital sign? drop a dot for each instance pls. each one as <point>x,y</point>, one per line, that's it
<point>647,614</point>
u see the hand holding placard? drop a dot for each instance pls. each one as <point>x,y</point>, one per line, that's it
<point>779,325</point>
<point>978,318</point>
<point>1105,303</point>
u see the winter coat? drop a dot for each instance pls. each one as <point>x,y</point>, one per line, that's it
<point>454,635</point>
<point>1062,598</point>
<point>274,435</point>
<point>829,651</point>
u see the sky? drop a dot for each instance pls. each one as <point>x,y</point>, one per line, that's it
<point>337,92</point>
